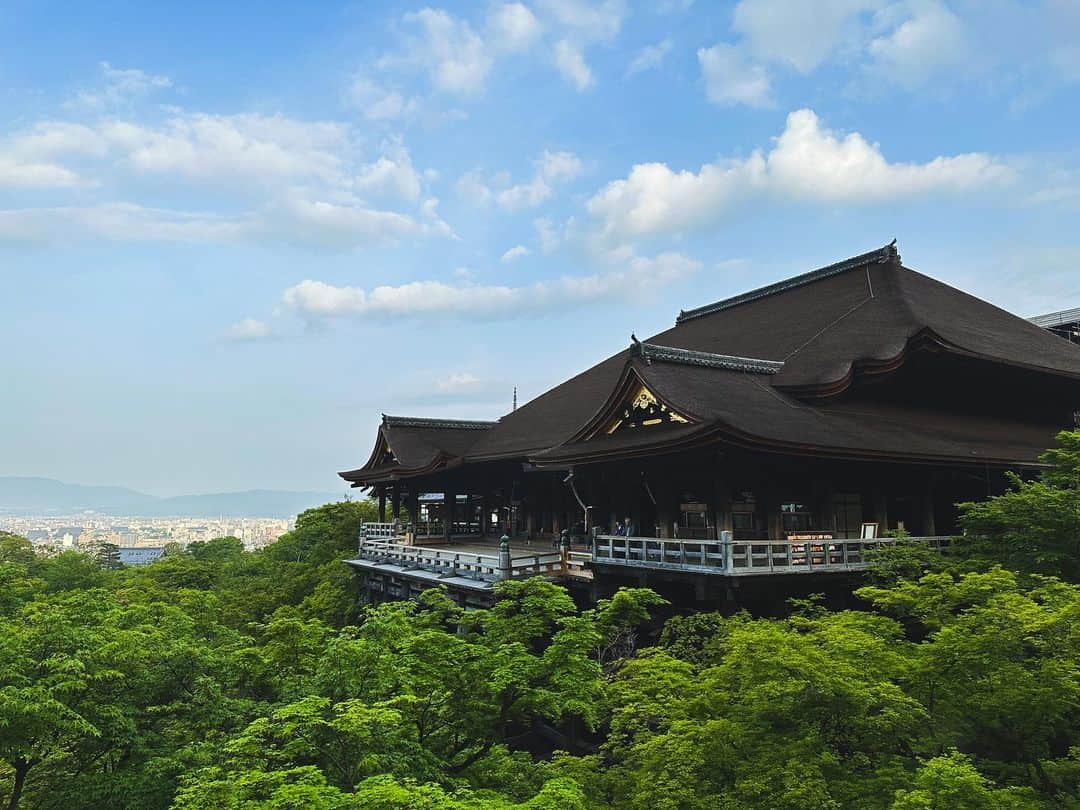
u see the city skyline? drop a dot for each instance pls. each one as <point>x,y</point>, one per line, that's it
<point>85,532</point>
<point>229,237</point>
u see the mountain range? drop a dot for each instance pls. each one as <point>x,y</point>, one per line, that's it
<point>21,495</point>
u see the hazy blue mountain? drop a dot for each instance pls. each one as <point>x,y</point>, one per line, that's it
<point>46,496</point>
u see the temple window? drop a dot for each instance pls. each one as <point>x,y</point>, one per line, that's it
<point>747,520</point>
<point>693,519</point>
<point>847,514</point>
<point>798,516</point>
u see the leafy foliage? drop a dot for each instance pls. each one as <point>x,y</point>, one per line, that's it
<point>218,678</point>
<point>1035,527</point>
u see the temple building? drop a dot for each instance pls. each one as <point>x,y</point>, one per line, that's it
<point>781,431</point>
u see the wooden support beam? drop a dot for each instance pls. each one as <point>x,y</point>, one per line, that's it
<point>449,502</point>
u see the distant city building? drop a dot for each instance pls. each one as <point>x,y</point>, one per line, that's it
<point>140,555</point>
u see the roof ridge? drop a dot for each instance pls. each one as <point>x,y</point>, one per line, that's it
<point>650,352</point>
<point>882,255</point>
<point>428,422</point>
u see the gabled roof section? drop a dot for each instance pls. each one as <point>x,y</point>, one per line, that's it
<point>632,391</point>
<point>883,255</point>
<point>411,445</point>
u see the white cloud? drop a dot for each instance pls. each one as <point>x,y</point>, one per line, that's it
<point>513,27</point>
<point>459,56</point>
<point>474,188</point>
<point>392,173</point>
<point>119,222</point>
<point>1063,20</point>
<point>585,20</point>
<point>928,42</point>
<point>379,103</point>
<point>335,226</point>
<point>247,330</point>
<point>558,167</point>
<point>429,211</point>
<point>52,140</point>
<point>649,57</point>
<point>516,252</point>
<point>458,381</point>
<point>524,195</point>
<point>815,163</point>
<point>254,148</point>
<point>120,86</point>
<point>807,162</point>
<point>552,169</point>
<point>548,234</point>
<point>731,79</point>
<point>799,33</point>
<point>14,174</point>
<point>297,180</point>
<point>454,56</point>
<point>570,62</point>
<point>637,278</point>
<point>290,218</point>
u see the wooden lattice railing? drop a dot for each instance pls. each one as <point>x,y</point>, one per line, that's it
<point>744,557</point>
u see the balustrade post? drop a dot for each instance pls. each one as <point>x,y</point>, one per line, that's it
<point>504,558</point>
<point>725,542</point>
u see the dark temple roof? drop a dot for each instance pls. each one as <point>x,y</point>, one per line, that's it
<point>888,253</point>
<point>410,445</point>
<point>771,368</point>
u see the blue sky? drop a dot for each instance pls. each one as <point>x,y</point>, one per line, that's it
<point>232,234</point>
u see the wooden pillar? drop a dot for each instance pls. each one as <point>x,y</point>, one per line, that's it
<point>774,520</point>
<point>413,505</point>
<point>382,504</point>
<point>823,495</point>
<point>721,505</point>
<point>928,527</point>
<point>879,509</point>
<point>666,507</point>
<point>449,502</point>
<point>395,501</point>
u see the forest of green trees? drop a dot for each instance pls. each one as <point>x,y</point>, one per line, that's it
<point>218,678</point>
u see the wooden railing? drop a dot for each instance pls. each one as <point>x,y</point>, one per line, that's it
<point>380,530</point>
<point>424,529</point>
<point>651,552</point>
<point>744,557</point>
<point>728,558</point>
<point>429,528</point>
<point>447,562</point>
